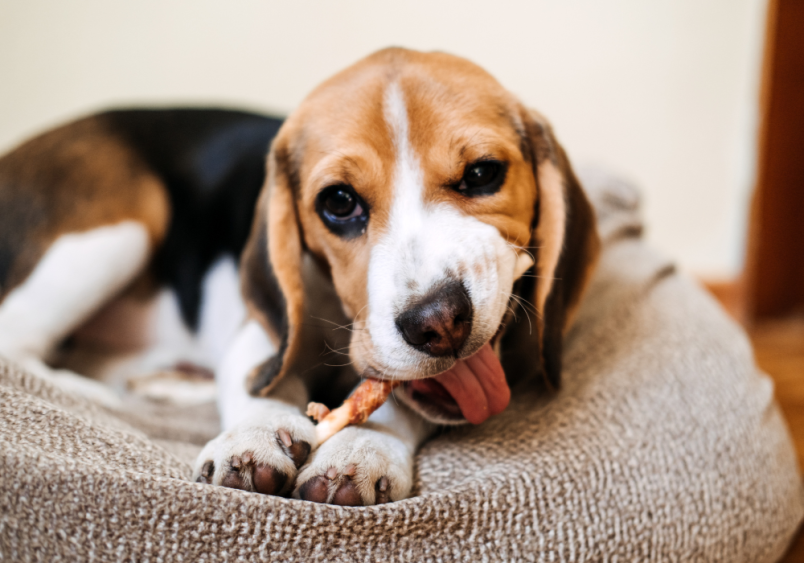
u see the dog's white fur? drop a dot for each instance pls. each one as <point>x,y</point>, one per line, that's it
<point>383,447</point>
<point>250,423</point>
<point>222,310</point>
<point>77,274</point>
<point>167,338</point>
<point>424,246</point>
<point>168,341</point>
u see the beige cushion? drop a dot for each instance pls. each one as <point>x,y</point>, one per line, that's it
<point>664,443</point>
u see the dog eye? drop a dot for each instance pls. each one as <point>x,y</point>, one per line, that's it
<point>341,204</point>
<point>342,210</point>
<point>484,177</point>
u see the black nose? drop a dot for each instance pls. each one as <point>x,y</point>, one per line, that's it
<point>438,323</point>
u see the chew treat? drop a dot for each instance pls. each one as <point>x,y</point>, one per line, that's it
<point>317,411</point>
<point>366,399</point>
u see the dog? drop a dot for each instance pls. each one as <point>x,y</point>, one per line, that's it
<point>408,207</point>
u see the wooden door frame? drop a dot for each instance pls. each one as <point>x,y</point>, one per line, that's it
<point>772,284</point>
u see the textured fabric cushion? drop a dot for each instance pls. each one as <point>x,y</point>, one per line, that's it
<point>663,444</point>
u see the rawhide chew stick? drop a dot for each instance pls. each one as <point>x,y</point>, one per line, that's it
<point>366,399</point>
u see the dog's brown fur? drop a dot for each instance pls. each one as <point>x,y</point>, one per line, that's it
<point>458,113</point>
<point>72,179</point>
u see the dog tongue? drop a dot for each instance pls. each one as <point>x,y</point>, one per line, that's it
<point>478,385</point>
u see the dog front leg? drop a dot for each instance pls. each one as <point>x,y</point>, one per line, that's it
<point>367,464</point>
<point>264,440</point>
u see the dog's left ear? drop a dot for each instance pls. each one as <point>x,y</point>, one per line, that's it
<point>565,245</point>
<point>271,268</point>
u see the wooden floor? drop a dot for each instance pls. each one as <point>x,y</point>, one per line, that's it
<point>779,349</point>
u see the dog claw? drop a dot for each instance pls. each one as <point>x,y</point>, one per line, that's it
<point>206,473</point>
<point>299,452</point>
<point>381,491</point>
<point>296,451</point>
<point>284,436</point>
<point>331,473</point>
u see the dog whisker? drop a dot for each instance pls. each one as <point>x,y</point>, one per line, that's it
<point>336,365</point>
<point>357,316</point>
<point>518,300</point>
<point>522,302</point>
<point>335,351</point>
<point>524,249</point>
<point>337,326</point>
<point>513,313</point>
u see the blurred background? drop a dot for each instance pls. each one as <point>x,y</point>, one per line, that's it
<point>664,92</point>
<point>700,103</point>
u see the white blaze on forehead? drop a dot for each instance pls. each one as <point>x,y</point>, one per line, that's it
<point>399,243</point>
<point>407,211</point>
<point>425,245</point>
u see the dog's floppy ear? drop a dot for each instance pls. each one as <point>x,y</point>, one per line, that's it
<point>565,245</point>
<point>271,268</point>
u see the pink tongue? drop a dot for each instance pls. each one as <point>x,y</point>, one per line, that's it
<point>478,385</point>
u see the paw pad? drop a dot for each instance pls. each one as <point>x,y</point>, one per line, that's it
<point>244,472</point>
<point>341,489</point>
<point>248,475</point>
<point>315,490</point>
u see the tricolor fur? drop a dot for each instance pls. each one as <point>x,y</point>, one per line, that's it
<point>372,215</point>
<point>406,127</point>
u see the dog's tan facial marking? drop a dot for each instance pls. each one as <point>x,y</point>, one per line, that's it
<point>438,236</point>
<point>342,139</point>
<point>451,130</point>
<point>402,131</point>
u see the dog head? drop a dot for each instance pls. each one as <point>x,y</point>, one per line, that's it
<point>436,203</point>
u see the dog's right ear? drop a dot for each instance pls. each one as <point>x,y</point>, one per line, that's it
<point>566,247</point>
<point>270,267</point>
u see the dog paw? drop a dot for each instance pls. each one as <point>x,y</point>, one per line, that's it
<point>358,466</point>
<point>261,454</point>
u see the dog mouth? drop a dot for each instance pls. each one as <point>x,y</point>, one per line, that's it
<point>471,391</point>
<point>432,397</point>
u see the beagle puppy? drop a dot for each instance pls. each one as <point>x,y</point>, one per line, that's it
<point>112,230</point>
<point>416,223</point>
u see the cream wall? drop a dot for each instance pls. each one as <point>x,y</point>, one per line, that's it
<point>663,91</point>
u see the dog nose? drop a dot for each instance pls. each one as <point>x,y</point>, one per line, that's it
<point>438,323</point>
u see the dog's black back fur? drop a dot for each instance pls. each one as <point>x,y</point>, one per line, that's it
<point>213,164</point>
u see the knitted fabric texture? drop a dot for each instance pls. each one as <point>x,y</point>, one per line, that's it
<point>663,444</point>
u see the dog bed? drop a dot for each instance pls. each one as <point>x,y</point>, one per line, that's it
<point>664,444</point>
